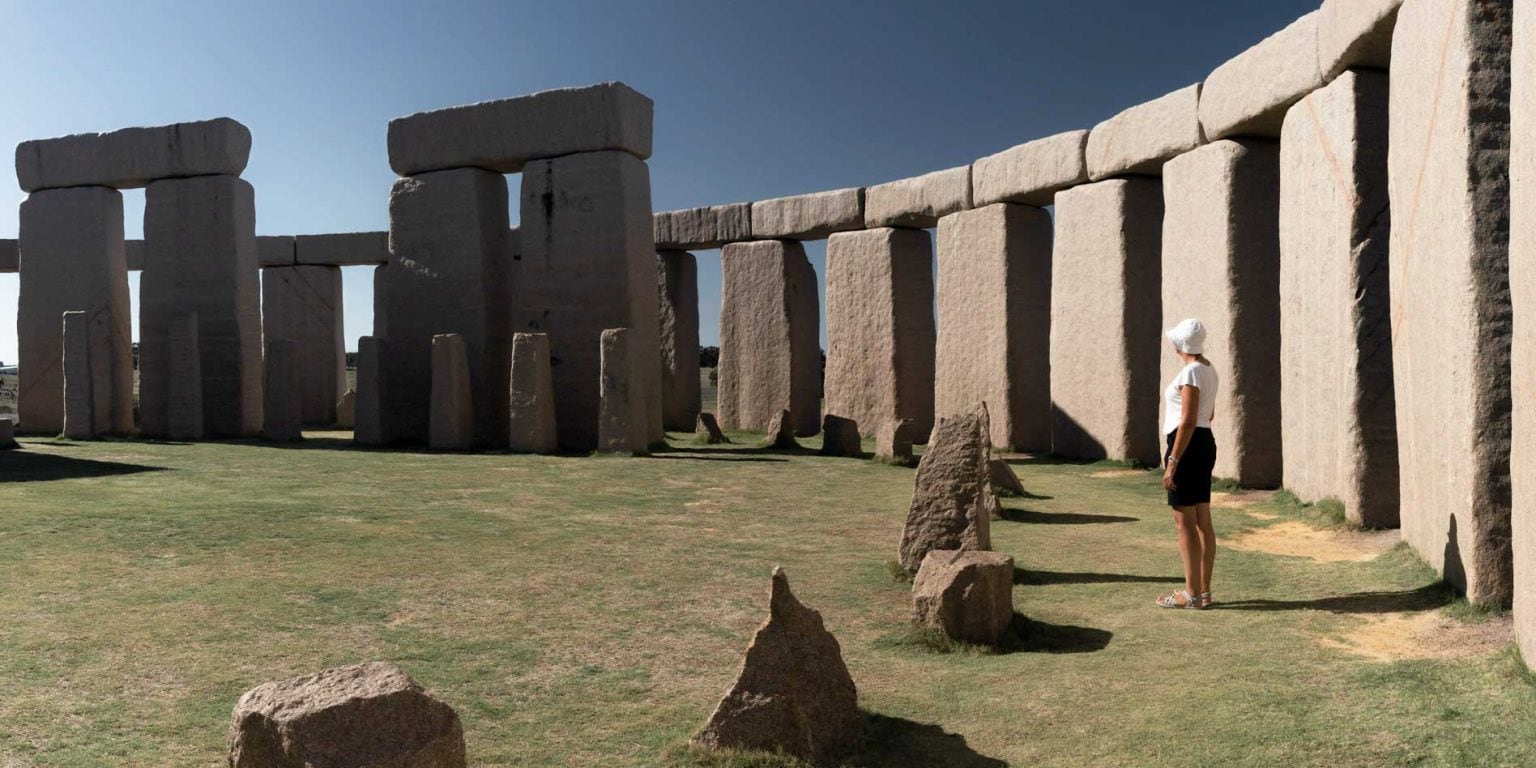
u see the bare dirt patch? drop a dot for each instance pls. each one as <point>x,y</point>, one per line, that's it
<point>1106,473</point>
<point>1428,635</point>
<point>1239,499</point>
<point>1263,516</point>
<point>1297,539</point>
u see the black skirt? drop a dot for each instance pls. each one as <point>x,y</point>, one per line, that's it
<point>1192,475</point>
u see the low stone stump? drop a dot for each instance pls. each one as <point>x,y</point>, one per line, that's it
<point>952,501</point>
<point>358,716</point>
<point>781,433</point>
<point>840,437</point>
<point>346,409</point>
<point>893,442</point>
<point>452,412</point>
<point>532,426</point>
<point>1005,482</point>
<point>794,695</point>
<point>966,595</point>
<point>708,431</point>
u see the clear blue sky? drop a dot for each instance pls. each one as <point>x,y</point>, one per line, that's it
<point>753,99</point>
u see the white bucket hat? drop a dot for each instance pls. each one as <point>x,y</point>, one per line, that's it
<point>1188,336</point>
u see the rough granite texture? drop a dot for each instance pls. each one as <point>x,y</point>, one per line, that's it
<point>703,229</point>
<point>621,421</point>
<point>303,305</point>
<point>452,410</point>
<point>1448,175</point>
<point>134,157</point>
<point>1031,173</point>
<point>282,392</point>
<point>880,328</point>
<point>770,343</point>
<point>1339,432</point>
<point>87,361</point>
<point>952,499</point>
<point>1249,94</point>
<point>532,426</point>
<point>184,391</point>
<point>966,595</point>
<point>1355,33</point>
<point>1522,279</point>
<point>994,320</point>
<point>808,217</point>
<point>1142,138</point>
<point>1222,265</point>
<point>677,278</point>
<point>893,442</point>
<point>918,202</point>
<point>1106,321</point>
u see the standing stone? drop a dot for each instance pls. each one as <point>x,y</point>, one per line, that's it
<point>79,400</point>
<point>369,714</point>
<point>71,259</point>
<point>532,428</point>
<point>1005,483</point>
<point>1221,237</point>
<point>283,390</point>
<point>966,595</point>
<point>8,434</point>
<point>1106,321</point>
<point>794,695</point>
<point>952,501</point>
<point>1522,279</point>
<point>709,430</point>
<point>200,259</point>
<point>303,305</point>
<point>780,433</point>
<point>677,273</point>
<point>1448,174</point>
<point>770,355</point>
<point>184,405</point>
<point>453,409</point>
<point>621,422</point>
<point>589,264</point>
<point>880,327</point>
<point>994,307</point>
<point>368,428</point>
<point>450,271</point>
<point>1338,434</point>
<point>840,437</point>
<point>893,443</point>
<point>346,410</point>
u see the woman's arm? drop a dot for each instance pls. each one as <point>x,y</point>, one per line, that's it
<point>1190,396</point>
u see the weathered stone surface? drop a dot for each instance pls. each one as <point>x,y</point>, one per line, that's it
<point>621,418</point>
<point>200,258</point>
<point>780,434</point>
<point>709,430</point>
<point>87,375</point>
<point>1449,284</point>
<point>770,356</point>
<point>184,404</point>
<point>303,305</point>
<point>532,427</point>
<point>453,408</point>
<point>1522,279</point>
<point>893,442</point>
<point>808,217</point>
<point>1004,481</point>
<point>1339,434</point>
<point>344,249</point>
<point>840,437</point>
<point>880,327</point>
<point>1031,173</point>
<point>589,264</point>
<point>370,714</point>
<point>794,695</point>
<point>920,201</point>
<point>1249,94</point>
<point>1221,234</point>
<point>71,254</point>
<point>451,271</point>
<point>703,229</point>
<point>283,392</point>
<point>134,157</point>
<point>271,251</point>
<point>1142,138</point>
<point>10,256</point>
<point>346,410</point>
<point>1355,33</point>
<point>8,434</point>
<point>677,277</point>
<point>1106,312</point>
<point>952,501</point>
<point>503,136</point>
<point>368,428</point>
<point>966,595</point>
<point>994,317</point>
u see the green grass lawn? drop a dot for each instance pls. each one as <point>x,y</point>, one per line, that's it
<point>590,612</point>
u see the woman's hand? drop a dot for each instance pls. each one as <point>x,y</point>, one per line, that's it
<point>1168,479</point>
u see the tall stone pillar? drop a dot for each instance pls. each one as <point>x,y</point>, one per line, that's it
<point>1221,263</point>
<point>1106,318</point>
<point>678,275</point>
<point>450,271</point>
<point>200,259</point>
<point>282,390</point>
<point>368,414</point>
<point>1522,284</point>
<point>71,246</point>
<point>589,264</point>
<point>87,375</point>
<point>1451,316</point>
<point>994,307</point>
<point>303,305</point>
<point>1338,434</point>
<point>770,351</point>
<point>880,328</point>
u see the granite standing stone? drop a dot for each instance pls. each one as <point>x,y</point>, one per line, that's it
<point>453,408</point>
<point>952,499</point>
<point>1522,278</point>
<point>8,434</point>
<point>184,404</point>
<point>283,390</point>
<point>79,400</point>
<point>780,434</point>
<point>368,428</point>
<point>1005,483</point>
<point>893,442</point>
<point>346,410</point>
<point>621,420</point>
<point>770,356</point>
<point>677,275</point>
<point>303,305</point>
<point>840,437</point>
<point>533,396</point>
<point>966,595</point>
<point>709,430</point>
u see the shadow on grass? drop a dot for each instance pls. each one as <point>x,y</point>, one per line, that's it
<point>1426,598</point>
<point>1061,518</point>
<point>25,467</point>
<point>1024,635</point>
<point>1048,578</point>
<point>887,741</point>
<point>718,457</point>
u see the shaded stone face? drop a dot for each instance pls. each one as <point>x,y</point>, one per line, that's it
<point>452,411</point>
<point>368,428</point>
<point>283,392</point>
<point>342,249</point>
<point>1004,481</point>
<point>840,437</point>
<point>7,434</point>
<point>1106,313</point>
<point>677,273</point>
<point>780,434</point>
<point>1142,138</point>
<point>893,442</point>
<point>709,429</point>
<point>952,501</point>
<point>769,337</point>
<point>346,410</point>
<point>1449,189</point>
<point>532,428</point>
<point>1355,33</point>
<point>134,157</point>
<point>303,305</point>
<point>184,403</point>
<point>966,595</point>
<point>84,354</point>
<point>794,694</point>
<point>1249,94</point>
<point>994,318</point>
<point>621,420</point>
<point>1031,173</point>
<point>1339,434</point>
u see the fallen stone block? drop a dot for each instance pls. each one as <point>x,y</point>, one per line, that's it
<point>532,427</point>
<point>703,229</point>
<point>453,410</point>
<point>966,595</point>
<point>1355,33</point>
<point>781,435</point>
<point>893,442</point>
<point>708,430</point>
<point>918,202</point>
<point>283,392</point>
<point>1031,173</point>
<point>1005,483</point>
<point>1249,94</point>
<point>621,420</point>
<point>134,157</point>
<point>770,340</point>
<point>503,136</point>
<point>808,217</point>
<point>794,695</point>
<point>840,437</point>
<point>677,277</point>
<point>952,499</point>
<point>1142,138</point>
<point>344,249</point>
<point>346,410</point>
<point>370,714</point>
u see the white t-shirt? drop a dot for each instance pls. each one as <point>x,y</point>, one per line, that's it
<point>1197,375</point>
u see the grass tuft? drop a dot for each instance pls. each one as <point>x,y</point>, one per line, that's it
<point>898,573</point>
<point>1328,512</point>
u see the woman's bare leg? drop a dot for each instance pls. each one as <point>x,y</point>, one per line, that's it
<point>1207,545</point>
<point>1190,552</point>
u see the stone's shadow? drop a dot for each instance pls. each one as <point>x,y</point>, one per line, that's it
<point>1069,436</point>
<point>1425,598</point>
<point>1061,518</point>
<point>1028,635</point>
<point>1454,569</point>
<point>1047,578</point>
<point>717,457</point>
<point>891,741</point>
<point>26,467</point>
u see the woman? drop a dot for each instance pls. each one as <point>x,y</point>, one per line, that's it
<point>1189,403</point>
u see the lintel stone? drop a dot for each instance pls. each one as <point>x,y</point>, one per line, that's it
<point>342,249</point>
<point>1355,33</point>
<point>1031,173</point>
<point>133,157</point>
<point>1250,93</point>
<point>918,202</point>
<point>808,217</point>
<point>703,229</point>
<point>1142,138</point>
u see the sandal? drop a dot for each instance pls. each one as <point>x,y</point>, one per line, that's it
<point>1172,601</point>
<point>1204,598</point>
